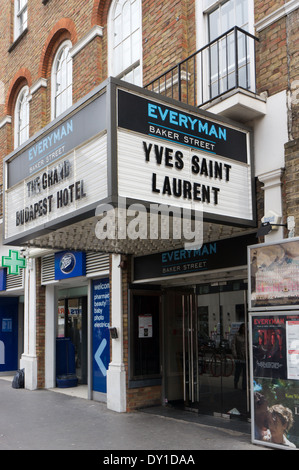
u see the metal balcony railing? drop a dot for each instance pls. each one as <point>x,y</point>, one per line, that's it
<point>226,63</point>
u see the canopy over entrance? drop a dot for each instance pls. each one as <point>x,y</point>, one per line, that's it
<point>81,236</point>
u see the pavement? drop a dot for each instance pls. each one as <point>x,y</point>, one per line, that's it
<point>44,420</point>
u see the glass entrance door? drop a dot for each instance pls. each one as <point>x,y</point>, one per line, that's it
<point>72,323</point>
<point>223,351</point>
<point>208,353</point>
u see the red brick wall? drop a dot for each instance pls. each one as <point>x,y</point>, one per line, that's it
<point>174,22</point>
<point>264,8</point>
<point>271,64</point>
<point>277,58</point>
<point>292,181</point>
<point>277,66</point>
<point>293,71</point>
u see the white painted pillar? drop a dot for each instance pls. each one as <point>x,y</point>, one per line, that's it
<point>116,375</point>
<point>50,336</point>
<point>29,359</point>
<point>273,199</point>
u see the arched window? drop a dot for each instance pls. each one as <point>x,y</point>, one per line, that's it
<point>62,80</point>
<point>125,40</point>
<point>22,117</point>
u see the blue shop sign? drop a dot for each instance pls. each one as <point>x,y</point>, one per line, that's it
<point>70,264</point>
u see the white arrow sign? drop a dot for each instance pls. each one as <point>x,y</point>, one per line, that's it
<point>98,359</point>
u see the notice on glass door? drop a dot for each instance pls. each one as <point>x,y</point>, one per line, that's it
<point>145,326</point>
<point>292,336</point>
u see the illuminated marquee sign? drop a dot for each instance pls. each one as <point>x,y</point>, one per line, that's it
<point>60,173</point>
<point>167,155</point>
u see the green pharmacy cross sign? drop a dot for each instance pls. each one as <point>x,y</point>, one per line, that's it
<point>13,263</point>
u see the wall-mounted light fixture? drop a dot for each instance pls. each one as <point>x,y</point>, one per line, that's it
<point>123,264</point>
<point>113,333</point>
<point>266,227</point>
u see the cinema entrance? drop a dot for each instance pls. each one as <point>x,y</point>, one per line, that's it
<point>206,348</point>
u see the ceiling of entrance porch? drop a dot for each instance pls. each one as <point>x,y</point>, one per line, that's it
<point>81,236</point>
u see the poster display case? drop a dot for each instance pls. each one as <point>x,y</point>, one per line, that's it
<point>275,378</point>
<point>273,278</point>
<point>273,291</point>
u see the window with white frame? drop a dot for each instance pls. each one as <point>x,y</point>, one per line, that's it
<point>21,116</point>
<point>62,80</point>
<point>20,17</point>
<point>230,54</point>
<point>125,45</point>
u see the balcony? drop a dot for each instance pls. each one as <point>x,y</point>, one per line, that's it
<point>220,77</point>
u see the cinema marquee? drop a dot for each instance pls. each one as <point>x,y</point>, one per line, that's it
<point>123,141</point>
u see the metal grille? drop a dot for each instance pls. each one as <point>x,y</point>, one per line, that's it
<point>226,63</point>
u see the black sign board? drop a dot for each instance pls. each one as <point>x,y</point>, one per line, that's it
<point>220,254</point>
<point>160,120</point>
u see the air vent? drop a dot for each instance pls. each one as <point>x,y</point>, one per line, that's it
<point>96,263</point>
<point>48,271</point>
<point>15,281</point>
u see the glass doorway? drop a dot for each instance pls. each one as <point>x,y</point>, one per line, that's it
<point>206,356</point>
<point>72,323</point>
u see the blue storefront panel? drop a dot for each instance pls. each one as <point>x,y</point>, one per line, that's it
<point>8,334</point>
<point>101,334</point>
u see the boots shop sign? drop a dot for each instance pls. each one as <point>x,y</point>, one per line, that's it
<point>122,141</point>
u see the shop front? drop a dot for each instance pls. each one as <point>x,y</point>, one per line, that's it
<point>77,320</point>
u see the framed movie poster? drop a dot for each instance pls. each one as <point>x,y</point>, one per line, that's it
<point>273,275</point>
<point>275,378</point>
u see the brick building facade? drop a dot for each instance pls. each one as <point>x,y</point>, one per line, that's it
<point>169,33</point>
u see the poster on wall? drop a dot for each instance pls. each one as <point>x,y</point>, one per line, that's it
<point>274,275</point>
<point>275,379</point>
<point>101,334</point>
